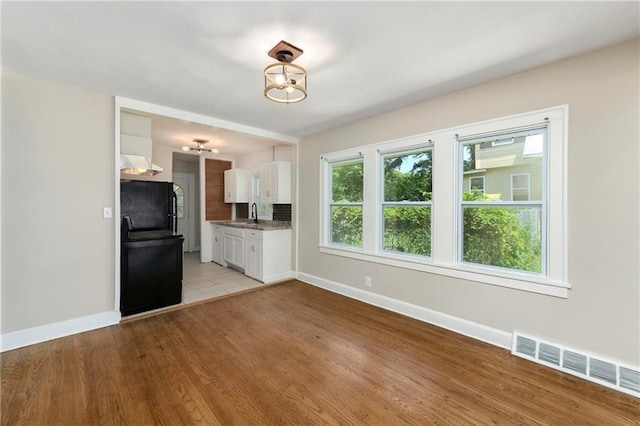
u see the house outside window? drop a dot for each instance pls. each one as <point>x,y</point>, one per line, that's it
<point>346,203</point>
<point>406,202</point>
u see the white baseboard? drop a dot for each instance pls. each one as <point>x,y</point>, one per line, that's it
<point>278,277</point>
<point>31,336</point>
<point>468,328</point>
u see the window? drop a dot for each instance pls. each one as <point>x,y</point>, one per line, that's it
<point>520,187</point>
<point>476,183</point>
<point>484,202</point>
<point>177,189</point>
<point>406,202</point>
<point>346,203</point>
<point>499,231</point>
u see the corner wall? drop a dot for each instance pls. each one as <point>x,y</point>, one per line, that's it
<point>602,312</point>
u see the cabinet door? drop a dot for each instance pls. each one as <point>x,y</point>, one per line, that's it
<point>238,251</point>
<point>250,259</point>
<point>217,248</point>
<point>253,260</point>
<point>265,183</point>
<point>275,182</point>
<point>257,255</point>
<point>229,249</point>
<point>229,186</point>
<point>236,186</point>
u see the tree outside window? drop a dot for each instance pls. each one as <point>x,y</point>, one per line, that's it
<point>346,203</point>
<point>406,206</point>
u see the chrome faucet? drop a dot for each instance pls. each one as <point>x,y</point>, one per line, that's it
<point>254,212</point>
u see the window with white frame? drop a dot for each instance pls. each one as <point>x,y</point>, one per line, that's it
<point>498,192</point>
<point>476,183</point>
<point>492,227</point>
<point>345,206</point>
<point>520,186</point>
<point>406,193</point>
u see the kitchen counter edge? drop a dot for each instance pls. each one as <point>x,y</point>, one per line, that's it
<point>262,225</point>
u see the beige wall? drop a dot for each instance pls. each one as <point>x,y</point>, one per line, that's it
<point>602,312</point>
<point>57,175</point>
<point>253,159</point>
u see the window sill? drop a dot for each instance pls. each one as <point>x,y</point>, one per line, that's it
<point>518,282</point>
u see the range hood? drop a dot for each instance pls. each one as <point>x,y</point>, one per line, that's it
<point>135,156</point>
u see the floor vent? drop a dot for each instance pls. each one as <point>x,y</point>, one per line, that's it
<point>577,363</point>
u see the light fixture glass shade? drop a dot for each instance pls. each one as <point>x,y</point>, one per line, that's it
<point>285,83</point>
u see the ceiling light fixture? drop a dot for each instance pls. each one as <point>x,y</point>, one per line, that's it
<point>285,82</point>
<point>200,147</point>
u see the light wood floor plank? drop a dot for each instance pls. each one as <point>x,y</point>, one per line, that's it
<point>291,354</point>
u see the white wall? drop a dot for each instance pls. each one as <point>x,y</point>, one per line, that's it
<point>602,312</point>
<point>57,175</point>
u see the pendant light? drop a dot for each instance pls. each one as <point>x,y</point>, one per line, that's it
<point>285,82</point>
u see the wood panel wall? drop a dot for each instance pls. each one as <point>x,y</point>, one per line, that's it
<point>215,207</point>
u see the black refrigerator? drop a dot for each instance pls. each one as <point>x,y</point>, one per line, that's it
<point>151,248</point>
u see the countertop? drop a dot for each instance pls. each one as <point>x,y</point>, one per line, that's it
<point>263,225</point>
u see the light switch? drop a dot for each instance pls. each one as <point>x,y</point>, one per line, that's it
<point>107,213</point>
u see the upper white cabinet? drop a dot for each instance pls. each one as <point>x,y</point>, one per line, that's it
<point>236,186</point>
<point>275,182</point>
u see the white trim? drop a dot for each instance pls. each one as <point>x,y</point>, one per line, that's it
<point>202,119</point>
<point>462,326</point>
<point>278,277</point>
<point>43,333</point>
<point>484,181</point>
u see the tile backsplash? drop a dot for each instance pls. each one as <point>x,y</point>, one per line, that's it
<point>282,212</point>
<point>242,210</point>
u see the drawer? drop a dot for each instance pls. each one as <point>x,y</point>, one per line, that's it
<point>236,232</point>
<point>254,234</point>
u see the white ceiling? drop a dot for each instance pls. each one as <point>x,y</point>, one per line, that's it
<point>363,58</point>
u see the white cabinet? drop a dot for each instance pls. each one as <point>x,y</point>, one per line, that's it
<point>263,255</point>
<point>275,182</point>
<point>217,252</point>
<point>268,254</point>
<point>233,246</point>
<point>253,259</point>
<point>236,186</point>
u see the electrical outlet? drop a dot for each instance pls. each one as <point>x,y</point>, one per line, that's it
<point>367,281</point>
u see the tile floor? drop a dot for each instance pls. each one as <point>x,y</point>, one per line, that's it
<point>201,281</point>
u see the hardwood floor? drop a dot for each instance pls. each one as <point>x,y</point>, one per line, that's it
<point>291,354</point>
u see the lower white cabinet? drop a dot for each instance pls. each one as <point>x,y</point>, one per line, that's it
<point>233,247</point>
<point>264,255</point>
<point>268,254</point>
<point>253,266</point>
<point>217,252</point>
